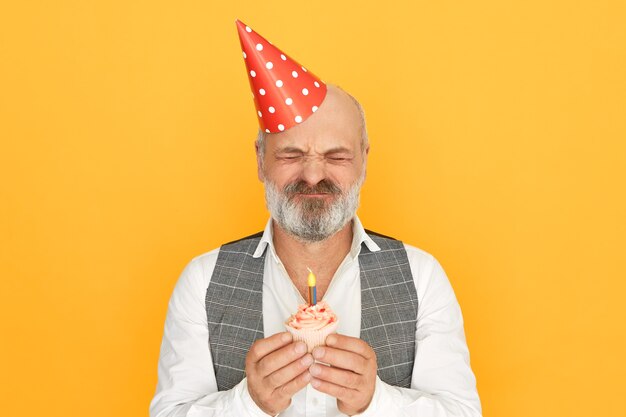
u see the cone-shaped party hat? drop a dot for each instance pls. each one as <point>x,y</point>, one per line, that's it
<point>284,92</point>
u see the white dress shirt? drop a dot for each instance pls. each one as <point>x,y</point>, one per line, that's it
<point>442,383</point>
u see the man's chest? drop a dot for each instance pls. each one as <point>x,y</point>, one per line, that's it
<point>374,298</point>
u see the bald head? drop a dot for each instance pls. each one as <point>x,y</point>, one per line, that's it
<point>338,107</point>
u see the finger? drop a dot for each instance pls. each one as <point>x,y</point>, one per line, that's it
<point>289,372</point>
<point>334,390</point>
<point>289,389</point>
<point>337,376</point>
<point>351,344</point>
<point>263,347</point>
<point>341,359</point>
<point>281,358</point>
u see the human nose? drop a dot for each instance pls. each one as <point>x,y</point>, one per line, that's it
<point>313,171</point>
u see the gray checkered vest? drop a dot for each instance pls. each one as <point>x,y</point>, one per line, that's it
<point>388,308</point>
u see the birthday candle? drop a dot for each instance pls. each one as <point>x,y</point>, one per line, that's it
<point>312,288</point>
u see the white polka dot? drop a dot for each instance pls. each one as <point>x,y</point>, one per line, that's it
<point>272,109</point>
<point>259,47</point>
<point>281,127</point>
<point>305,91</point>
<point>252,73</point>
<point>294,74</point>
<point>289,101</point>
<point>317,84</point>
<point>267,131</point>
<point>244,55</point>
<point>314,108</point>
<point>248,29</point>
<point>283,57</point>
<point>262,92</point>
<point>279,83</point>
<point>298,119</point>
<point>269,65</point>
<point>303,69</point>
<point>259,113</point>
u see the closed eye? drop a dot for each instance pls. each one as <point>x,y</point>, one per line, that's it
<point>338,157</point>
<point>290,157</point>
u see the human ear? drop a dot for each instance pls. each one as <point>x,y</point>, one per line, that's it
<point>259,163</point>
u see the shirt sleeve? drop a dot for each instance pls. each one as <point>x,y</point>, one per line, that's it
<point>443,384</point>
<point>187,384</point>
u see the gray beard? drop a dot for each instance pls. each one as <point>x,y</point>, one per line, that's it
<point>312,220</point>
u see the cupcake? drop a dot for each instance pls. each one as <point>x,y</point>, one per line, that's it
<point>312,323</point>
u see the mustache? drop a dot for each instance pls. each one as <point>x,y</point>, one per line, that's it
<point>323,187</point>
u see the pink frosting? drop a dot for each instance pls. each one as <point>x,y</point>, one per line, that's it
<point>312,317</point>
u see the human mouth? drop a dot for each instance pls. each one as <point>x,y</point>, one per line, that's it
<point>314,194</point>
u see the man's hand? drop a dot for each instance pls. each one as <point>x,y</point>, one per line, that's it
<point>351,376</point>
<point>276,369</point>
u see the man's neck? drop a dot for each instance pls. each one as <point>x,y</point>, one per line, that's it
<point>322,257</point>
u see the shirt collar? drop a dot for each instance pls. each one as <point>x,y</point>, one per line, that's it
<point>359,236</point>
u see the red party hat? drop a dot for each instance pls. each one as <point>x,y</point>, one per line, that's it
<point>285,93</point>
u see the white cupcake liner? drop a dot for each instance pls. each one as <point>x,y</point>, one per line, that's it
<point>312,338</point>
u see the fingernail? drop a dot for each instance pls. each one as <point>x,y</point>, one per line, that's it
<point>307,360</point>
<point>286,337</point>
<point>330,340</point>
<point>315,370</point>
<point>315,382</point>
<point>300,347</point>
<point>318,352</point>
<point>307,377</point>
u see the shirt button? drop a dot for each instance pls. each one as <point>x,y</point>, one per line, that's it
<point>315,402</point>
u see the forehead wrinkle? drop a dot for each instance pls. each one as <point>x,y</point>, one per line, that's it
<point>320,144</point>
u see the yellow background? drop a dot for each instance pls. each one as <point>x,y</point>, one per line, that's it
<point>497,144</point>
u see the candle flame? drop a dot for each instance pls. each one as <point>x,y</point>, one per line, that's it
<point>311,278</point>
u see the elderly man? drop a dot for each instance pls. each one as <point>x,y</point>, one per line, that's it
<point>400,348</point>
